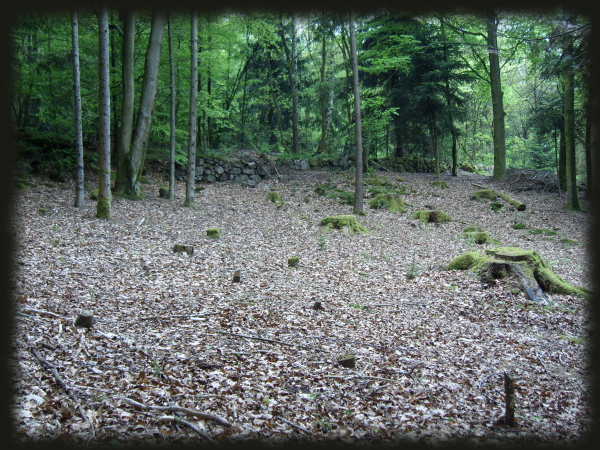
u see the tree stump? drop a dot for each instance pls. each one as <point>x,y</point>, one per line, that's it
<point>293,261</point>
<point>178,248</point>
<point>163,192</point>
<point>85,319</point>
<point>509,391</point>
<point>236,277</point>
<point>214,233</point>
<point>348,361</point>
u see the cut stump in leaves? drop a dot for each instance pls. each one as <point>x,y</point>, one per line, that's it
<point>293,261</point>
<point>431,216</point>
<point>348,221</point>
<point>348,361</point>
<point>214,233</point>
<point>440,184</point>
<point>236,277</point>
<point>163,192</point>
<point>179,248</point>
<point>391,201</point>
<point>85,319</point>
<point>531,273</point>
<point>275,197</point>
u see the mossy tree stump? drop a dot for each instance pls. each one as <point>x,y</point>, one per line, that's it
<point>293,261</point>
<point>163,192</point>
<point>477,235</point>
<point>391,201</point>
<point>440,184</point>
<point>179,248</point>
<point>275,197</point>
<point>213,233</point>
<point>85,319</point>
<point>347,222</point>
<point>525,267</point>
<point>431,216</point>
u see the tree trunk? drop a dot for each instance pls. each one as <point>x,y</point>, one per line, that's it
<point>573,203</point>
<point>130,181</point>
<point>497,101</point>
<point>294,84</point>
<point>173,116</point>
<point>191,168</point>
<point>358,197</point>
<point>562,159</point>
<point>103,207</point>
<point>124,174</point>
<point>79,189</point>
<point>322,99</point>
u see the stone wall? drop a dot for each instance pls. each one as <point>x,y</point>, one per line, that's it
<point>244,170</point>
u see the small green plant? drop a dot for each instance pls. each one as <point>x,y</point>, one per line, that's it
<point>496,206</point>
<point>266,400</point>
<point>362,308</point>
<point>542,231</point>
<point>414,270</point>
<point>519,226</point>
<point>573,339</point>
<point>322,242</point>
<point>156,368</point>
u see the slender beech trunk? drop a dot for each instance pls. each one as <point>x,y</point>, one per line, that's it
<point>172,73</point>
<point>191,168</point>
<point>497,101</point>
<point>562,160</point>
<point>124,174</point>
<point>322,98</point>
<point>358,197</point>
<point>79,189</point>
<point>294,83</point>
<point>103,207</point>
<point>573,203</point>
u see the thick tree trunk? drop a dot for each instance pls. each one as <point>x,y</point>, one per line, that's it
<point>191,168</point>
<point>173,115</point>
<point>79,189</point>
<point>573,203</point>
<point>497,100</point>
<point>358,197</point>
<point>103,207</point>
<point>124,174</point>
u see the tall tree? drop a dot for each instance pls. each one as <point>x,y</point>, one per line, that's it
<point>497,96</point>
<point>79,174</point>
<point>173,113</point>
<point>191,166</point>
<point>358,196</point>
<point>292,66</point>
<point>130,171</point>
<point>103,207</point>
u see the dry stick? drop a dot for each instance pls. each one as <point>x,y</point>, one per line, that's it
<point>190,426</point>
<point>179,409</point>
<point>290,344</point>
<point>357,342</point>
<point>483,381</point>
<point>509,390</point>
<point>64,385</point>
<point>46,313</point>
<point>294,425</point>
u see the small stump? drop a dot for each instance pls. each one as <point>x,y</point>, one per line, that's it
<point>348,361</point>
<point>339,222</point>
<point>440,184</point>
<point>94,194</point>
<point>178,248</point>
<point>431,216</point>
<point>163,192</point>
<point>236,277</point>
<point>293,261</point>
<point>275,197</point>
<point>85,319</point>
<point>391,201</point>
<point>214,233</point>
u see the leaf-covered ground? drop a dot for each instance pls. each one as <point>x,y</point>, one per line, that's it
<point>173,330</point>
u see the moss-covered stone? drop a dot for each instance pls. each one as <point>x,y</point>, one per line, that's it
<point>466,261</point>
<point>348,221</point>
<point>275,197</point>
<point>431,216</point>
<point>163,192</point>
<point>391,201</point>
<point>214,233</point>
<point>293,261</point>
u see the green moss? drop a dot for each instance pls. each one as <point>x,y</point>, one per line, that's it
<point>569,242</point>
<point>94,194</point>
<point>440,184</point>
<point>473,229</point>
<point>293,261</point>
<point>103,208</point>
<point>20,184</point>
<point>275,197</point>
<point>543,231</point>
<point>391,201</point>
<point>431,216</point>
<point>348,221</point>
<point>214,233</point>
<point>479,237</point>
<point>519,226</point>
<point>496,206</point>
<point>484,194</point>
<point>465,261</point>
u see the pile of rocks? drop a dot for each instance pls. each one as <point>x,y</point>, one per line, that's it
<point>215,169</point>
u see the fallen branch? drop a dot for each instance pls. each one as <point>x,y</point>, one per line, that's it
<point>294,425</point>
<point>43,313</point>
<point>517,204</point>
<point>190,426</point>
<point>179,409</point>
<point>290,344</point>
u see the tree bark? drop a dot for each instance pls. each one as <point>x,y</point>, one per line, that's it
<point>172,146</point>
<point>191,168</point>
<point>124,174</point>
<point>497,100</point>
<point>358,197</point>
<point>79,188</point>
<point>103,206</point>
<point>573,203</point>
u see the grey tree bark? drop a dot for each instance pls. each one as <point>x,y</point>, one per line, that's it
<point>79,188</point>
<point>191,167</point>
<point>358,197</point>
<point>172,147</point>
<point>497,97</point>
<point>103,206</point>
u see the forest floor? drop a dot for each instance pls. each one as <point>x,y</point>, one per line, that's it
<point>252,361</point>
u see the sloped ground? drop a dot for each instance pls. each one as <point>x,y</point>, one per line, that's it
<point>430,344</point>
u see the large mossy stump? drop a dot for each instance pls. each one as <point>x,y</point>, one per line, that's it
<point>523,267</point>
<point>393,202</point>
<point>214,233</point>
<point>431,216</point>
<point>345,222</point>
